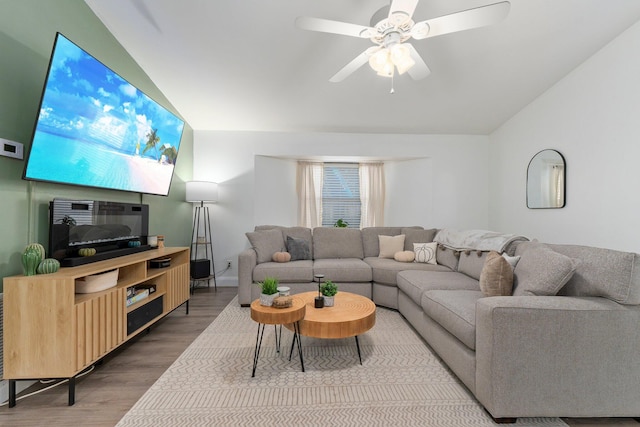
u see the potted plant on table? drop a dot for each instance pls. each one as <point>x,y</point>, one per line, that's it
<point>269,290</point>
<point>329,291</point>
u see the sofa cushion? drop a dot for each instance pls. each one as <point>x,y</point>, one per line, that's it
<point>603,273</point>
<point>455,311</point>
<point>404,256</point>
<point>414,282</point>
<point>370,241</point>
<point>297,232</point>
<point>425,252</point>
<point>448,257</point>
<point>334,242</point>
<point>389,245</point>
<point>541,270</point>
<point>471,263</point>
<point>343,269</point>
<point>416,235</point>
<point>298,248</point>
<point>496,278</point>
<point>266,243</point>
<point>385,270</point>
<point>290,272</point>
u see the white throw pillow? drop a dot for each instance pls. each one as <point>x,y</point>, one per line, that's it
<point>425,252</point>
<point>389,245</point>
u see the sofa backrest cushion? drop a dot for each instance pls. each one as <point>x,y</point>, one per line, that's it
<point>471,263</point>
<point>370,235</point>
<point>295,232</point>
<point>334,242</point>
<point>603,272</point>
<point>417,235</point>
<point>541,270</point>
<point>266,243</point>
<point>447,257</point>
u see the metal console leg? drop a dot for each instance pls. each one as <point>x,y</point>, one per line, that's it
<point>12,393</point>
<point>72,391</point>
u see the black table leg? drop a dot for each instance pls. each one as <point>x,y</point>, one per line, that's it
<point>293,341</point>
<point>296,327</point>
<point>358,346</point>
<point>278,337</point>
<point>256,353</point>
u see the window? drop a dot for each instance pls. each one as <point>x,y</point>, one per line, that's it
<point>341,194</point>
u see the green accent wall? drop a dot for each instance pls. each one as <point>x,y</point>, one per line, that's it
<point>27,32</point>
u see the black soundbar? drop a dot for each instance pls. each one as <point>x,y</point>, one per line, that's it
<point>101,256</point>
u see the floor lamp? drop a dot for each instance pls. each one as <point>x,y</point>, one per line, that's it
<point>202,192</point>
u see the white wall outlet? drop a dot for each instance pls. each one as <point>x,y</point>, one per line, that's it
<point>11,149</point>
<point>228,263</point>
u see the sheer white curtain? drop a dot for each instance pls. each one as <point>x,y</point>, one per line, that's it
<point>309,178</point>
<point>372,194</point>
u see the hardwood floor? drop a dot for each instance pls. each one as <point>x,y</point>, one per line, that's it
<point>106,394</point>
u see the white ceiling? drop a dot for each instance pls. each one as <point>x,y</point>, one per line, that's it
<point>243,65</point>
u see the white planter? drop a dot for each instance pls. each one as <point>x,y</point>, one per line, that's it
<point>267,300</point>
<point>328,301</point>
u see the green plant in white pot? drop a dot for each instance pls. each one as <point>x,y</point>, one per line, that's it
<point>269,290</point>
<point>329,291</point>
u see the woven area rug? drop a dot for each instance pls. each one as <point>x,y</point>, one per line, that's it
<point>400,382</point>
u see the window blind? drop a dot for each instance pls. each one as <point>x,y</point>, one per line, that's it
<point>341,194</point>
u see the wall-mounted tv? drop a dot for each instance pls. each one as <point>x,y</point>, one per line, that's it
<point>95,129</point>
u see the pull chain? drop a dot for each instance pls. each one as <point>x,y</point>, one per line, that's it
<point>392,90</point>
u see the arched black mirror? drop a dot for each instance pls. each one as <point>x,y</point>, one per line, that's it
<point>546,180</point>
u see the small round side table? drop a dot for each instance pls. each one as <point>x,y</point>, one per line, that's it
<point>277,316</point>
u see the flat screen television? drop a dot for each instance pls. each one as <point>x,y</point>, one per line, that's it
<point>96,129</point>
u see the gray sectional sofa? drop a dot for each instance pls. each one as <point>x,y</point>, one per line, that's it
<point>565,343</point>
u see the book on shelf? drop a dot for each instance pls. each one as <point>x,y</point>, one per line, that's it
<point>138,295</point>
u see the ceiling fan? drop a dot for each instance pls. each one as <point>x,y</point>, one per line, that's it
<point>392,26</point>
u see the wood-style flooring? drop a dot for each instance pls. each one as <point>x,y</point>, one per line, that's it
<point>106,394</point>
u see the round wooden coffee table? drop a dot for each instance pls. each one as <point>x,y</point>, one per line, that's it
<point>350,316</point>
<point>289,316</point>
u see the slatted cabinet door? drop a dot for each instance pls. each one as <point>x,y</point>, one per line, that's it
<point>100,326</point>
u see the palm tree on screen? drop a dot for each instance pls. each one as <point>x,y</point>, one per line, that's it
<point>152,142</point>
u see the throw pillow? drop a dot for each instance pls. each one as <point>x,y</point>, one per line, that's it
<point>281,257</point>
<point>496,277</point>
<point>389,245</point>
<point>425,252</point>
<point>266,243</point>
<point>298,248</point>
<point>542,271</point>
<point>512,260</point>
<point>404,256</point>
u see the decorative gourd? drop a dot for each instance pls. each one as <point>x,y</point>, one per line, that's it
<point>404,256</point>
<point>281,257</point>
<point>87,251</point>
<point>37,247</point>
<point>48,265</point>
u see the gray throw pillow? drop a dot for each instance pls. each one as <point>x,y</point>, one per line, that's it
<point>266,243</point>
<point>542,271</point>
<point>298,248</point>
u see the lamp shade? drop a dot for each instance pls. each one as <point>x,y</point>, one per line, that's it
<point>202,191</point>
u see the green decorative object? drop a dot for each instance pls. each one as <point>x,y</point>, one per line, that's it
<point>38,247</point>
<point>48,265</point>
<point>87,251</point>
<point>341,223</point>
<point>30,261</point>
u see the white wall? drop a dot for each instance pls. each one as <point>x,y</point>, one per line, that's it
<point>592,117</point>
<point>443,179</point>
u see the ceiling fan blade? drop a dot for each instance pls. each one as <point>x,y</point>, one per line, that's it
<point>334,27</point>
<point>356,63</point>
<point>420,70</point>
<point>460,21</point>
<point>401,11</point>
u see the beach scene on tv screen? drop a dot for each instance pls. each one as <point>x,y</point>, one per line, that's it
<point>96,129</point>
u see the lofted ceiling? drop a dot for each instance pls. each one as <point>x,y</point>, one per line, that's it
<point>243,65</point>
